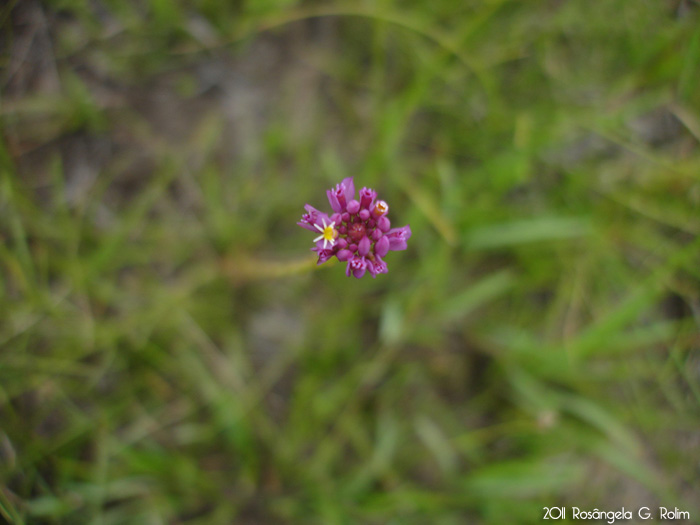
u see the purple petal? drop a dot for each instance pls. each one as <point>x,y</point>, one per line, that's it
<point>353,207</point>
<point>363,246</point>
<point>323,255</point>
<point>306,225</point>
<point>382,246</point>
<point>359,273</point>
<point>343,193</point>
<point>377,266</point>
<point>333,200</point>
<point>398,237</point>
<point>349,185</point>
<point>356,266</point>
<point>344,255</point>
<point>311,217</point>
<point>367,195</point>
<point>384,224</point>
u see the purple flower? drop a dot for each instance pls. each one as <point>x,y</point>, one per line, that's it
<point>357,266</point>
<point>377,266</point>
<point>357,232</point>
<point>367,195</point>
<point>323,255</point>
<point>328,234</point>
<point>398,237</point>
<point>341,195</point>
<point>311,218</point>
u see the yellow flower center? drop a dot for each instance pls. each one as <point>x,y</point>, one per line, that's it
<point>328,233</point>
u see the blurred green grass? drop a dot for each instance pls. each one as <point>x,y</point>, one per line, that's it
<point>170,353</point>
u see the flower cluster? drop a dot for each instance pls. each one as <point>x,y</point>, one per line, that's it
<point>358,231</point>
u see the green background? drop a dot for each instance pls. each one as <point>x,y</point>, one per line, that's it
<point>169,351</point>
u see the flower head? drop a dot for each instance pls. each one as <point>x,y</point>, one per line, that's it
<point>358,232</point>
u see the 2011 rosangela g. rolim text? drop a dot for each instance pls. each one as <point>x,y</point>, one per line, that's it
<point>611,516</point>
